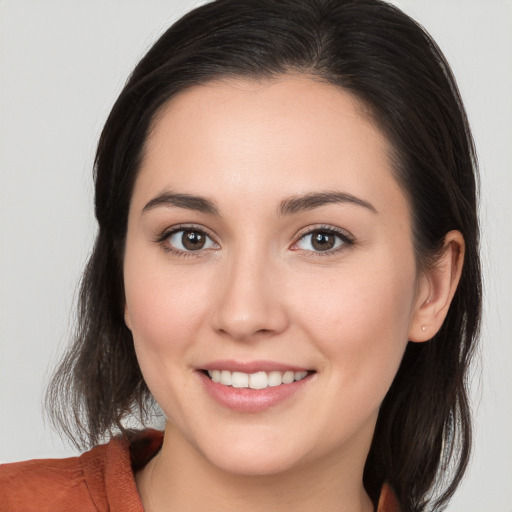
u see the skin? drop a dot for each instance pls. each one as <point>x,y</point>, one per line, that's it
<point>259,290</point>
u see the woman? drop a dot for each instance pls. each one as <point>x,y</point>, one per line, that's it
<point>287,263</point>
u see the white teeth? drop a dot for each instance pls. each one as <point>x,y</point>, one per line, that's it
<point>300,375</point>
<point>258,380</point>
<point>288,377</point>
<point>225,378</point>
<point>275,379</point>
<point>239,380</point>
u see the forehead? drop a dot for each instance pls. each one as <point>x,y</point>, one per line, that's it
<point>284,136</point>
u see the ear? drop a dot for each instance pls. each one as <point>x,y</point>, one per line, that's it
<point>436,289</point>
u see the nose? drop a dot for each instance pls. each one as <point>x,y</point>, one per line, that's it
<point>251,300</point>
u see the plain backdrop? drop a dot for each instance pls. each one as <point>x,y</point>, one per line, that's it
<point>62,64</point>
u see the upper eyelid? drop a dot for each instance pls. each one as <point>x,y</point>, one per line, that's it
<point>184,227</point>
<point>343,233</point>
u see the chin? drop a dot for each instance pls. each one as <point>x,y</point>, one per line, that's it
<point>248,465</point>
<point>253,456</point>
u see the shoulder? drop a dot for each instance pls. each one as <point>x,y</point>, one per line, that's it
<point>46,484</point>
<point>388,501</point>
<point>101,479</point>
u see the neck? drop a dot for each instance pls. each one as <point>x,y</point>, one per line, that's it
<point>179,478</point>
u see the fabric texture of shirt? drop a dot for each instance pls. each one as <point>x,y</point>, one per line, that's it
<point>100,480</point>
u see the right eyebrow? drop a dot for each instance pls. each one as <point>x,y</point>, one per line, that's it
<point>188,201</point>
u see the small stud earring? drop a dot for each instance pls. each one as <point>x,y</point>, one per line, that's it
<point>423,328</point>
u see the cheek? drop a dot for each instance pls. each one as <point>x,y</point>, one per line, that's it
<point>360,320</point>
<point>165,305</point>
<point>165,311</point>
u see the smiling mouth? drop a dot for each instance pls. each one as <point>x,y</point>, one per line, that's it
<point>258,380</point>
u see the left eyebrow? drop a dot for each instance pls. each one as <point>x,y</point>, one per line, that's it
<point>187,201</point>
<point>314,200</point>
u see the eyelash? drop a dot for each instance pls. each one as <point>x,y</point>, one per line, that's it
<point>163,240</point>
<point>346,239</point>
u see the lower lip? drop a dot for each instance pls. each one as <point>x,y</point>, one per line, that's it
<point>251,400</point>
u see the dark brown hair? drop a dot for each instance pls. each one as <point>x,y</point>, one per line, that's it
<point>384,58</point>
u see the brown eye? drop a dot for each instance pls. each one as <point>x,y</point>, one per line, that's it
<point>323,240</point>
<point>188,240</point>
<point>193,240</point>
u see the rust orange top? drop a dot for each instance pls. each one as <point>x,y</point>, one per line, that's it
<point>100,480</point>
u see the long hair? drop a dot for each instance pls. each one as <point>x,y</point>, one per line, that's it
<point>374,51</point>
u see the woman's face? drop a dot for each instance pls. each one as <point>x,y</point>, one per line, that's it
<point>268,241</point>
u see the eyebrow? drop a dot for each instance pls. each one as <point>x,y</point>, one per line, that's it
<point>288,206</point>
<point>315,200</point>
<point>188,201</point>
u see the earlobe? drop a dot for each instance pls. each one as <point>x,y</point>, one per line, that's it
<point>436,289</point>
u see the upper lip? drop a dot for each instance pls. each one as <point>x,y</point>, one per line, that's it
<point>252,366</point>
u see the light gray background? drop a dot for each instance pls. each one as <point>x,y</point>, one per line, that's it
<point>62,64</point>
